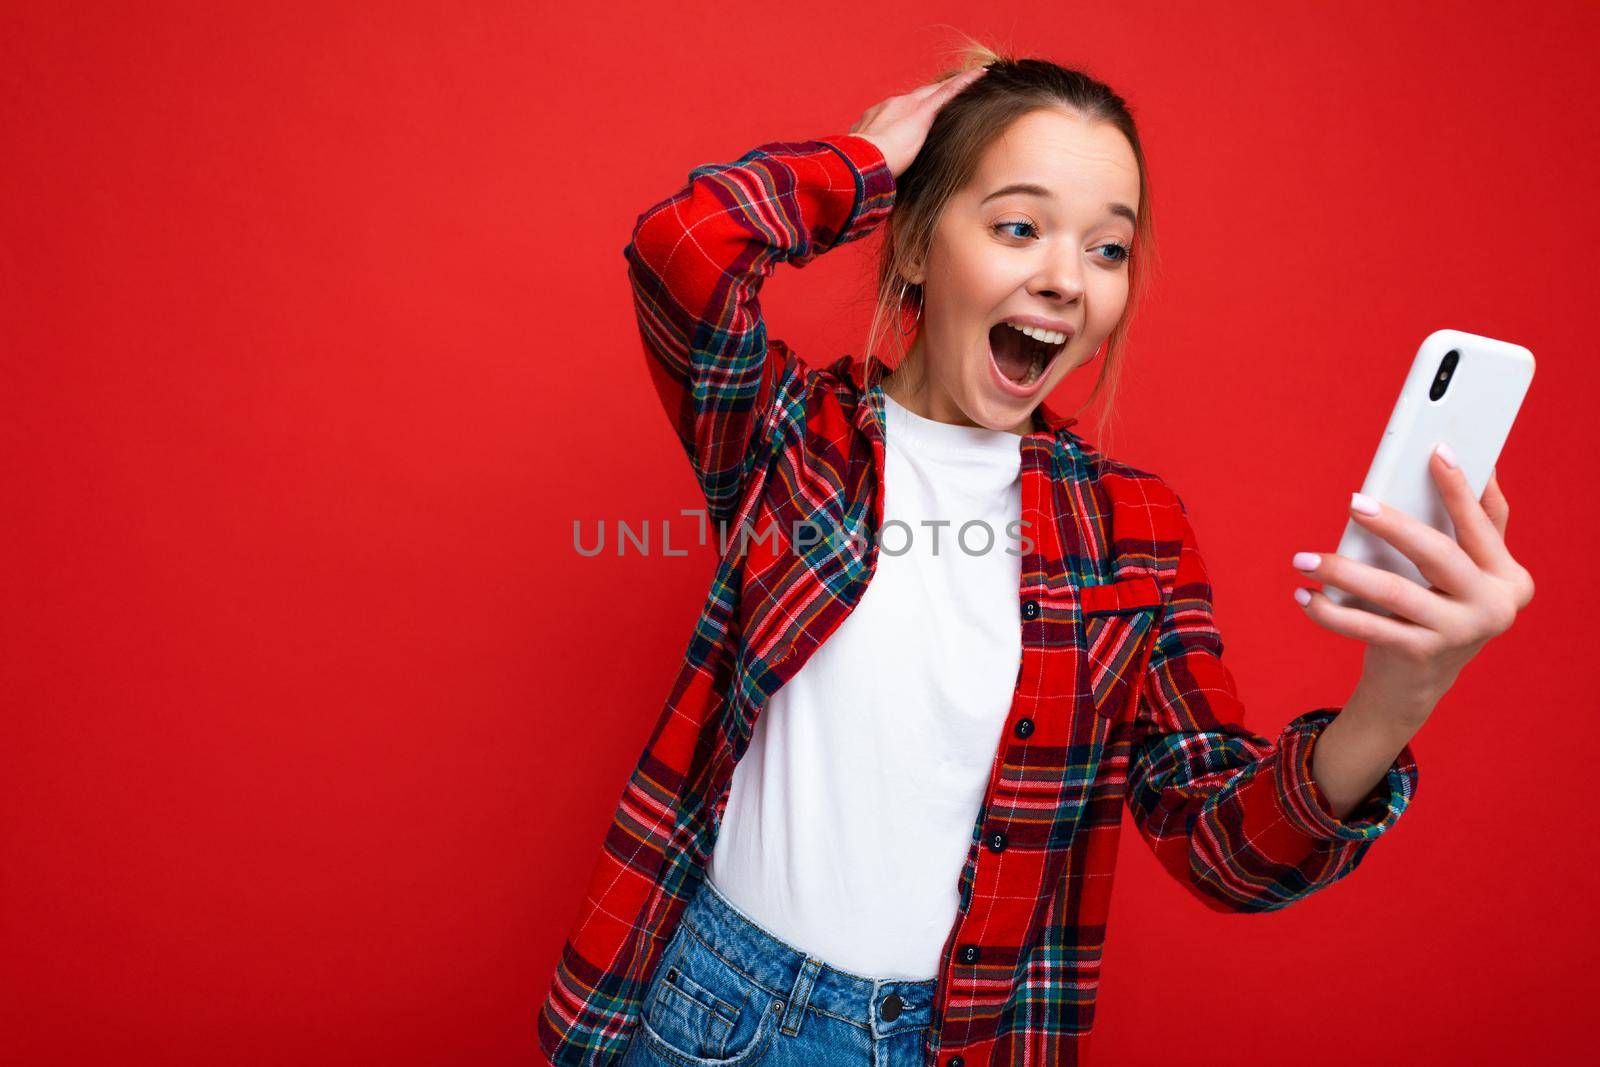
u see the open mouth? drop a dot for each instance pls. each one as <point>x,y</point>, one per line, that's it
<point>1021,358</point>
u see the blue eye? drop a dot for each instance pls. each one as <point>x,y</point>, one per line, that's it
<point>1002,225</point>
<point>1121,255</point>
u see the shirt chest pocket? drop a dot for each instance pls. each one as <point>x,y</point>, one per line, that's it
<point>1118,625</point>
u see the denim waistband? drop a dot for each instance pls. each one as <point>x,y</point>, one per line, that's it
<point>801,979</point>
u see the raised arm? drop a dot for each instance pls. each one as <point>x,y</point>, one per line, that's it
<point>696,263</point>
<point>1236,818</point>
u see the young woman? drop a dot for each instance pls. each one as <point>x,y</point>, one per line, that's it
<point>948,640</point>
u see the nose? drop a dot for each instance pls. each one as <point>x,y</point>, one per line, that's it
<point>1060,276</point>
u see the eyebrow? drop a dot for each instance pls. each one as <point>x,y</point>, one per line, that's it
<point>1031,189</point>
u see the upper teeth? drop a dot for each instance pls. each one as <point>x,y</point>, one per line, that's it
<point>1049,337</point>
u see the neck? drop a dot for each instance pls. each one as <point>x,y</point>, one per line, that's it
<point>915,390</point>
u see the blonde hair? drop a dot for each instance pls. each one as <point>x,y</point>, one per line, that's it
<point>960,134</point>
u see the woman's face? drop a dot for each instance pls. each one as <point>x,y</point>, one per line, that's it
<point>1054,252</point>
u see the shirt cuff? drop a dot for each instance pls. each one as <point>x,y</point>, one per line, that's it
<point>875,184</point>
<point>1304,804</point>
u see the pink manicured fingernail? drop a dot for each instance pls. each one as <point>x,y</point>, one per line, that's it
<point>1303,596</point>
<point>1307,561</point>
<point>1365,504</point>
<point>1447,454</point>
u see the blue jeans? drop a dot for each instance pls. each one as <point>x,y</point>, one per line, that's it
<point>727,993</point>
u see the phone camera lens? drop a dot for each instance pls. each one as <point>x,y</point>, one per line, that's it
<point>1441,380</point>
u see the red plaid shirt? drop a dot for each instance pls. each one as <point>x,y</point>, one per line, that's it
<point>1122,696</point>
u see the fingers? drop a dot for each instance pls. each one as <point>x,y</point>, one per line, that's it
<point>1476,532</point>
<point>1362,625</point>
<point>1499,512</point>
<point>1440,558</point>
<point>1494,503</point>
<point>866,118</point>
<point>951,85</point>
<point>1386,589</point>
<point>961,81</point>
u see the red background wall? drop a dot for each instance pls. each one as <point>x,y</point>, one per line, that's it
<point>316,341</point>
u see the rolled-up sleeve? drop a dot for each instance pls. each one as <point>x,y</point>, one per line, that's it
<point>1235,816</point>
<point>697,262</point>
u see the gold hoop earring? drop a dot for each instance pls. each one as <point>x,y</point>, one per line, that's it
<point>900,316</point>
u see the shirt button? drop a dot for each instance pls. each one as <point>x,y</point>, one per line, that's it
<point>890,1008</point>
<point>968,954</point>
<point>997,841</point>
<point>1030,609</point>
<point>954,1061</point>
<point>1024,727</point>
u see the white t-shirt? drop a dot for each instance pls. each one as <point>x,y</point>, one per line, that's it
<point>850,814</point>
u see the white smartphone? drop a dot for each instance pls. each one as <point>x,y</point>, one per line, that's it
<point>1463,390</point>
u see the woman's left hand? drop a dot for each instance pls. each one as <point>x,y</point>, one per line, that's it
<point>1478,588</point>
